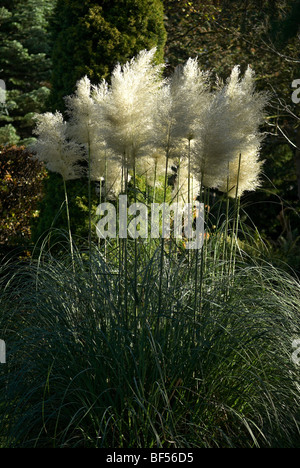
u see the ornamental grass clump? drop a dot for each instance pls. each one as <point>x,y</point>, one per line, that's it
<point>183,135</point>
<point>141,344</point>
<point>79,376</point>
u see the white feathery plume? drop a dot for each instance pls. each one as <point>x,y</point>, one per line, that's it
<point>230,127</point>
<point>128,110</point>
<point>179,107</point>
<point>244,173</point>
<point>99,94</point>
<point>105,165</point>
<point>53,147</point>
<point>160,140</point>
<point>80,108</point>
<point>189,91</point>
<point>215,143</point>
<point>190,94</point>
<point>85,119</point>
<point>248,106</point>
<point>113,180</point>
<point>86,127</point>
<point>107,169</point>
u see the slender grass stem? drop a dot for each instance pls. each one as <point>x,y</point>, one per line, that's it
<point>196,266</point>
<point>206,225</point>
<point>202,261</point>
<point>235,221</point>
<point>225,234</point>
<point>135,244</point>
<point>100,201</point>
<point>69,224</point>
<point>125,243</point>
<point>177,197</point>
<point>189,199</point>
<point>106,178</point>
<point>154,185</point>
<point>236,233</point>
<point>163,239</point>
<point>90,205</point>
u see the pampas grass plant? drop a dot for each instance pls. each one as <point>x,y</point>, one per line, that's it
<point>142,344</point>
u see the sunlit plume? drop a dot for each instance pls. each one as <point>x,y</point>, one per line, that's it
<point>129,109</point>
<point>54,148</point>
<point>248,106</point>
<point>230,127</point>
<point>189,88</point>
<point>146,124</point>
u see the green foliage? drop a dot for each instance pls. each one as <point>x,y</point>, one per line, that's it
<point>53,207</point>
<point>20,191</point>
<point>90,366</point>
<point>24,64</point>
<point>8,134</point>
<point>91,37</point>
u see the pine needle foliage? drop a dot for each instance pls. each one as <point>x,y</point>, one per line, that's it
<point>91,37</point>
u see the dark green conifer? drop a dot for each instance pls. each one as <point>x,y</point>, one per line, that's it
<point>25,65</point>
<point>91,37</point>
